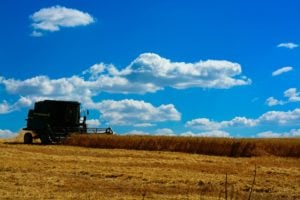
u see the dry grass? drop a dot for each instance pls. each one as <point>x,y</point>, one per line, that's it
<point>66,172</point>
<point>285,147</point>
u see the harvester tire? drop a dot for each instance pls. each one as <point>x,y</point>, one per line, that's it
<point>45,139</point>
<point>109,131</point>
<point>27,138</point>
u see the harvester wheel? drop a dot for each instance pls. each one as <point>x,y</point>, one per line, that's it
<point>109,131</point>
<point>45,139</point>
<point>27,138</point>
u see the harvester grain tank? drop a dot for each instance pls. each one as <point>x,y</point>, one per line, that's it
<point>52,121</point>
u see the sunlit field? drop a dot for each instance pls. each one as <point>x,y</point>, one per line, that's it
<point>69,172</point>
<point>286,147</point>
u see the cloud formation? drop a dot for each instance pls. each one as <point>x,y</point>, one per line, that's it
<point>5,107</point>
<point>56,17</point>
<point>129,112</point>
<point>203,124</point>
<point>212,133</point>
<point>148,73</point>
<point>151,68</point>
<point>170,132</point>
<point>93,123</point>
<point>291,94</point>
<point>282,70</point>
<point>6,133</point>
<point>271,134</point>
<point>278,118</point>
<point>289,45</point>
<point>271,101</point>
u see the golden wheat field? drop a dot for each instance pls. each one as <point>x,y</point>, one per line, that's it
<point>69,172</point>
<point>232,147</point>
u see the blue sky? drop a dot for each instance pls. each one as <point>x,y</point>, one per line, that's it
<point>203,68</point>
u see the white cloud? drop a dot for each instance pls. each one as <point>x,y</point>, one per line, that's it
<point>292,95</point>
<point>170,132</point>
<point>144,125</point>
<point>164,131</point>
<point>239,121</point>
<point>271,101</point>
<point>289,45</point>
<point>53,18</point>
<point>158,132</point>
<point>130,112</point>
<point>4,107</point>
<point>293,133</point>
<point>36,34</point>
<point>96,70</point>
<point>148,73</point>
<point>6,133</point>
<point>136,132</point>
<point>207,124</point>
<point>151,68</point>
<point>93,123</point>
<point>281,117</point>
<point>275,118</point>
<point>282,70</point>
<point>40,85</point>
<point>203,124</point>
<point>212,133</point>
<point>271,134</point>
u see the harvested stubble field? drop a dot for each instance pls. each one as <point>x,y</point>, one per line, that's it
<point>69,172</point>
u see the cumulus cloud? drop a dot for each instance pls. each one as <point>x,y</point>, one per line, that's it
<point>96,70</point>
<point>170,132</point>
<point>148,73</point>
<point>55,17</point>
<point>164,131</point>
<point>36,34</point>
<point>207,124</point>
<point>150,67</point>
<point>93,123</point>
<point>268,134</point>
<point>239,121</point>
<point>271,134</point>
<point>5,107</point>
<point>203,124</point>
<point>291,94</point>
<point>275,118</point>
<point>212,133</point>
<point>289,45</point>
<point>271,101</point>
<point>136,132</point>
<point>293,133</point>
<point>282,70</point>
<point>291,117</point>
<point>6,133</point>
<point>130,112</point>
<point>144,125</point>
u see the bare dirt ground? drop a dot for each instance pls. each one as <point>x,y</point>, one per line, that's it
<point>65,172</point>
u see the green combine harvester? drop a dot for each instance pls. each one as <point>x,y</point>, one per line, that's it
<point>52,121</point>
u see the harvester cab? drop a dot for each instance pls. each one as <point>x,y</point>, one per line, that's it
<point>52,121</point>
